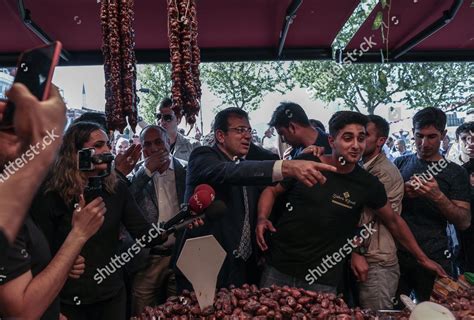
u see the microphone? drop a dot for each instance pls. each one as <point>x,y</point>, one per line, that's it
<point>206,187</point>
<point>198,202</point>
<point>214,212</point>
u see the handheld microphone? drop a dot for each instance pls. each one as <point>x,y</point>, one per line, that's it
<point>205,187</point>
<point>215,211</point>
<point>198,202</point>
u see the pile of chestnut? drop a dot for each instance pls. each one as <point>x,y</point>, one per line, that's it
<point>250,302</point>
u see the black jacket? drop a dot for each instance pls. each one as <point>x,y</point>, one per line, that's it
<point>54,216</point>
<point>211,166</point>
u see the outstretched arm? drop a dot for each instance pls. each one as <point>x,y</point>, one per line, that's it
<point>205,167</point>
<point>400,231</point>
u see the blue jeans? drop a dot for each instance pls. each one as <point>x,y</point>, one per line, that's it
<point>272,276</point>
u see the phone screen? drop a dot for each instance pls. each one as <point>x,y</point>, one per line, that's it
<point>33,70</point>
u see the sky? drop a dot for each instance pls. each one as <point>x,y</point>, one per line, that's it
<point>71,79</point>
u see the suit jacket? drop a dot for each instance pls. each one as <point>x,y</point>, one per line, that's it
<point>143,189</point>
<point>211,166</point>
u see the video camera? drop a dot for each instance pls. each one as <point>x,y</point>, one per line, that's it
<point>87,161</point>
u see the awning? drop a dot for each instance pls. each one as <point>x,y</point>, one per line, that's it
<point>232,30</point>
<point>421,20</point>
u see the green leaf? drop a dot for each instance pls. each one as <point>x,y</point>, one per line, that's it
<point>245,84</point>
<point>377,21</point>
<point>382,79</point>
<point>364,87</point>
<point>384,3</point>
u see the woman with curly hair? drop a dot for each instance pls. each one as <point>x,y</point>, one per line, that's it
<point>99,292</point>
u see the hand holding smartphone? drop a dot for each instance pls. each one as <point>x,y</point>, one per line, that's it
<point>35,70</point>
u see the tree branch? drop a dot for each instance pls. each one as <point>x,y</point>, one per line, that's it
<point>361,97</point>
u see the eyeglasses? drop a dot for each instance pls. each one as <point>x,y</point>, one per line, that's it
<point>242,130</point>
<point>166,117</point>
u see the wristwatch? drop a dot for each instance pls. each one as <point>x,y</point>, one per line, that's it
<point>360,250</point>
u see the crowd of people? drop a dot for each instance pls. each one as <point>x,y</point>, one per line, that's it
<point>339,211</point>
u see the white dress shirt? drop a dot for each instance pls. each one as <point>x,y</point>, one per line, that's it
<point>166,196</point>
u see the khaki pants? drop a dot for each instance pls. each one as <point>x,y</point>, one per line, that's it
<point>380,289</point>
<point>152,285</point>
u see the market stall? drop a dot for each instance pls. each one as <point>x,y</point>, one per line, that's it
<point>250,302</point>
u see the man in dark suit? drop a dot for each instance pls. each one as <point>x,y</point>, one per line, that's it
<point>234,179</point>
<point>158,187</point>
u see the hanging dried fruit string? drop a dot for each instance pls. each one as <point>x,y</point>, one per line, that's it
<point>119,63</point>
<point>129,73</point>
<point>185,58</point>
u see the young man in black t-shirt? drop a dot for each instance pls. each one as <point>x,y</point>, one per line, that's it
<point>293,125</point>
<point>436,193</point>
<point>317,229</point>
<point>466,237</point>
<point>465,135</point>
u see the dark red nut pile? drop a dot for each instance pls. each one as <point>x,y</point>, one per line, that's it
<point>185,58</point>
<point>118,42</point>
<point>460,303</point>
<point>250,302</point>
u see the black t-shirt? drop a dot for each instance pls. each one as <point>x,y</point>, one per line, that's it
<point>318,221</point>
<point>423,217</point>
<point>466,237</point>
<point>30,251</point>
<point>321,141</point>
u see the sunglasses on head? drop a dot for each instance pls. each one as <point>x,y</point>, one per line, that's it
<point>166,117</point>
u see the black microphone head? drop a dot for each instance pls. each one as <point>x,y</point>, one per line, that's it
<point>216,210</point>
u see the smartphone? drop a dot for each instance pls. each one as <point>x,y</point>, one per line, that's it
<point>35,70</point>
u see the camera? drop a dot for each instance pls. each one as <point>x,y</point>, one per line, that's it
<point>87,159</point>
